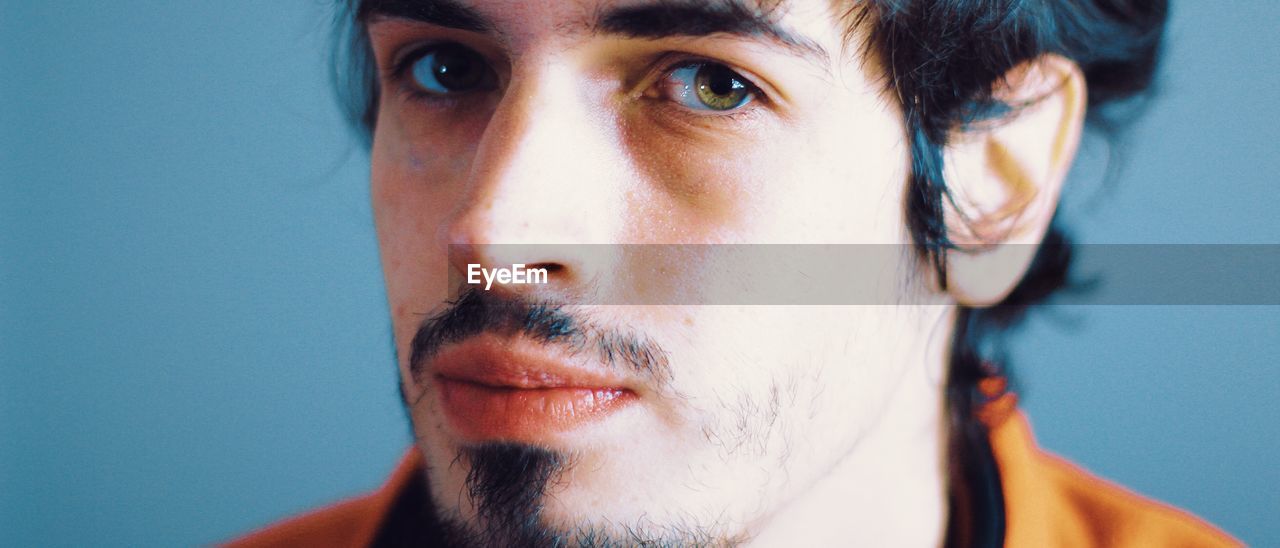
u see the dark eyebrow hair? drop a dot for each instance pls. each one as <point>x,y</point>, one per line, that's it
<point>693,18</point>
<point>653,20</point>
<point>445,13</point>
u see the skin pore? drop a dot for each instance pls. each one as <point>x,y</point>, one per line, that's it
<point>600,122</point>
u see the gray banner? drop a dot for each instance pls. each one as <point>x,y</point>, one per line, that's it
<point>1102,274</point>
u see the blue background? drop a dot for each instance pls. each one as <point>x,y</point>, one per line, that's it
<point>193,334</point>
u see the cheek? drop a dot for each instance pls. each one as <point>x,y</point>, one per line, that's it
<point>689,190</point>
<point>796,386</point>
<point>771,359</point>
<point>833,179</point>
<point>415,182</point>
<point>840,181</point>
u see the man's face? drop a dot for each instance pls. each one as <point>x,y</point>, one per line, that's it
<point>601,122</point>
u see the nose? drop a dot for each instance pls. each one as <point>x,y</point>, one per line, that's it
<point>545,188</point>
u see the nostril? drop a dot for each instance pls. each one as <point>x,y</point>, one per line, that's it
<point>551,268</point>
<point>553,273</point>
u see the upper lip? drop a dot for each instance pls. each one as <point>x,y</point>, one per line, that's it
<point>520,364</point>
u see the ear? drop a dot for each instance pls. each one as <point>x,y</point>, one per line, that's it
<point>1006,175</point>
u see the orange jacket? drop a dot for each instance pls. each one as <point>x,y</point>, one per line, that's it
<point>1048,501</point>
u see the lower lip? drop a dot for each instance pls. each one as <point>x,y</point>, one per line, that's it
<point>481,412</point>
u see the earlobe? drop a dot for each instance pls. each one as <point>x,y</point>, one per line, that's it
<point>1006,175</point>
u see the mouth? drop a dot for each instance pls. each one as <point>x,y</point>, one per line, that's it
<point>494,389</point>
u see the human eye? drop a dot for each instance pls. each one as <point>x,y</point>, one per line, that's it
<point>446,69</point>
<point>707,86</point>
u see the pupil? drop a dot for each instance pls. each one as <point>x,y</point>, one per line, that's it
<point>455,69</point>
<point>721,83</point>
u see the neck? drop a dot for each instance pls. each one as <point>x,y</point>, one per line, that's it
<point>891,490</point>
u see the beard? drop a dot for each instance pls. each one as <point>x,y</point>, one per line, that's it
<point>508,484</point>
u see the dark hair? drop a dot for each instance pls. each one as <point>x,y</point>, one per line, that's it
<point>941,60</point>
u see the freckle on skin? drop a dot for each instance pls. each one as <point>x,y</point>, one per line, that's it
<point>415,161</point>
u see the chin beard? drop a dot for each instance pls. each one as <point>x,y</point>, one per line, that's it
<point>508,484</point>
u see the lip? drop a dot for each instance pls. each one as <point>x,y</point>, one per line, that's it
<point>503,389</point>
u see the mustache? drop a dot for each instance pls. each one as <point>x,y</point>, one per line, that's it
<point>475,312</point>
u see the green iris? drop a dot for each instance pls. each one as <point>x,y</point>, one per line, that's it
<point>720,88</point>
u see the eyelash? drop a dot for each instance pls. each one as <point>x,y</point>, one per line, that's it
<point>672,61</point>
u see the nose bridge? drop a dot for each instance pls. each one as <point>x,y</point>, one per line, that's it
<point>542,174</point>
<point>536,158</point>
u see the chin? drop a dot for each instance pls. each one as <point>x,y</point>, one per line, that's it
<point>576,494</point>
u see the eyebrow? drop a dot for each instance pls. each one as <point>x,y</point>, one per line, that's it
<point>444,13</point>
<point>695,18</point>
<point>652,21</point>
